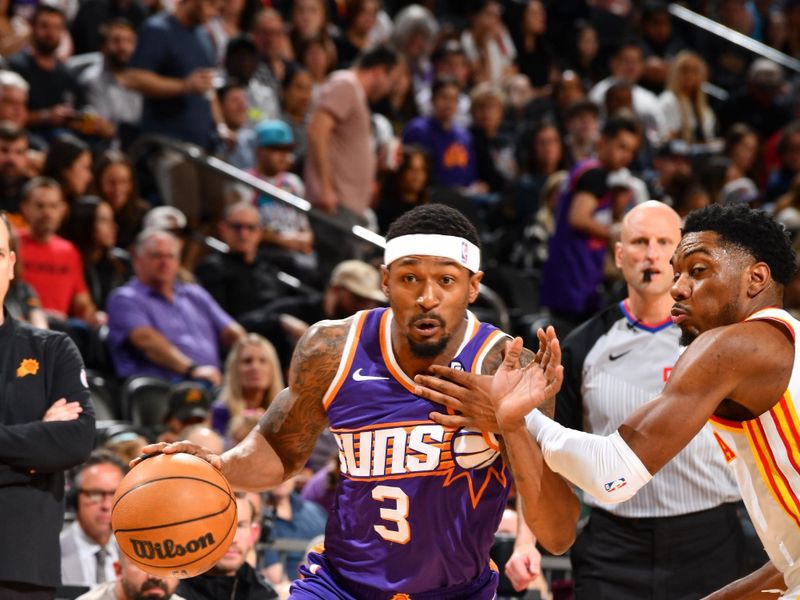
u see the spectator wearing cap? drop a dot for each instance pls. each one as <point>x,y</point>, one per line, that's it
<point>286,231</point>
<point>171,219</point>
<point>242,279</point>
<point>162,327</point>
<point>189,403</point>
<point>354,285</point>
<point>759,105</point>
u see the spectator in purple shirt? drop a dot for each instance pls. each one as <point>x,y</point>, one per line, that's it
<point>162,327</point>
<point>449,145</point>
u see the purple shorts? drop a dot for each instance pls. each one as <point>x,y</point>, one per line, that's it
<point>320,582</point>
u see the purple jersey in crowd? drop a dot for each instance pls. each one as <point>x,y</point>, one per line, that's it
<point>418,504</point>
<point>572,275</point>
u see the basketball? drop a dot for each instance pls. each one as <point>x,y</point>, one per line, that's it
<point>474,449</point>
<point>174,514</point>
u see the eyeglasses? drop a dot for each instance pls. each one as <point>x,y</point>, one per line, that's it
<point>95,496</point>
<point>251,227</point>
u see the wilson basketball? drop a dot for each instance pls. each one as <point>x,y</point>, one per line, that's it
<point>474,449</point>
<point>174,514</point>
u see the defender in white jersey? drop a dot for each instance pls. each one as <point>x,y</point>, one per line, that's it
<point>740,371</point>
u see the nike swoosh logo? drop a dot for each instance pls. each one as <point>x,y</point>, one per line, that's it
<point>612,357</point>
<point>357,376</point>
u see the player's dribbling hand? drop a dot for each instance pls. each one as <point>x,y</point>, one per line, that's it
<point>524,566</point>
<point>183,446</point>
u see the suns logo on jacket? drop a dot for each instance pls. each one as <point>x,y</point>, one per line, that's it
<point>29,366</point>
<point>402,450</point>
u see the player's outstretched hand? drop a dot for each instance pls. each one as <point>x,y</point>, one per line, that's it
<point>524,566</point>
<point>516,392</point>
<point>184,446</point>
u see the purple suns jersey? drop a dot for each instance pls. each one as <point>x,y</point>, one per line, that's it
<point>418,504</point>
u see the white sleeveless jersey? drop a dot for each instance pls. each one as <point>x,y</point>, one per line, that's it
<point>764,454</point>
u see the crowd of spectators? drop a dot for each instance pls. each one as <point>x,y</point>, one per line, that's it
<point>543,121</point>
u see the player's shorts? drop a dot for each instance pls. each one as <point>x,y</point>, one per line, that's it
<point>320,582</point>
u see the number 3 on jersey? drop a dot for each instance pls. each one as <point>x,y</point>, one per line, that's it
<point>397,515</point>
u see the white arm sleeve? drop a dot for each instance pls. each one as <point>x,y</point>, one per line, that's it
<point>603,467</point>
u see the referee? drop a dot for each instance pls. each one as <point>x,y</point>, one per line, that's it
<point>46,426</point>
<point>680,537</point>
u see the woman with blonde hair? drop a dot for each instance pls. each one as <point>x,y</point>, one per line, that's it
<point>684,103</point>
<point>253,377</point>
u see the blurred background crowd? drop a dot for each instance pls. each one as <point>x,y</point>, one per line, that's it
<point>183,177</point>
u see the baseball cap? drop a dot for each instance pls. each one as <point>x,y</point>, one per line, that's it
<point>739,191</point>
<point>621,178</point>
<point>675,148</point>
<point>359,278</point>
<point>765,73</point>
<point>188,402</point>
<point>274,133</point>
<point>165,218</point>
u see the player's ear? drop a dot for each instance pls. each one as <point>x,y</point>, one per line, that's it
<point>760,277</point>
<point>385,280</point>
<point>618,254</point>
<point>475,286</point>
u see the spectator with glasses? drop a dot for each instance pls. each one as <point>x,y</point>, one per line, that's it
<point>88,551</point>
<point>240,280</point>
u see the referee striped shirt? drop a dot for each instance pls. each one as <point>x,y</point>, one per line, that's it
<point>614,364</point>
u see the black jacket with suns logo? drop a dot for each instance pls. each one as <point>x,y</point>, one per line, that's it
<point>37,368</point>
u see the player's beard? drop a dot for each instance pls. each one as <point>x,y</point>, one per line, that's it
<point>141,593</point>
<point>428,349</point>
<point>687,337</point>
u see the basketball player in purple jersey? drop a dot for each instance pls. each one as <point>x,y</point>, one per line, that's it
<point>418,503</point>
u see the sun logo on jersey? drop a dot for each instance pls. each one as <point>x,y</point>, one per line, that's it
<point>475,449</point>
<point>475,452</point>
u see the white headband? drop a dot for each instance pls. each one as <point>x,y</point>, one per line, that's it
<point>456,248</point>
